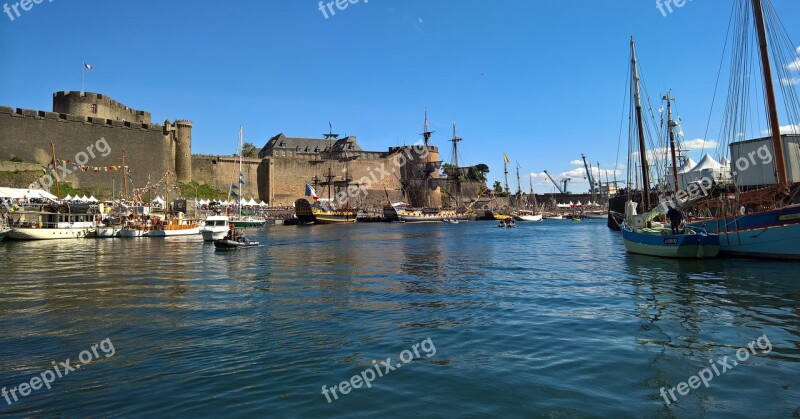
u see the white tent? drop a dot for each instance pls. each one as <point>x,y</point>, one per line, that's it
<point>92,199</point>
<point>684,176</point>
<point>68,198</point>
<point>252,203</point>
<point>263,204</point>
<point>84,198</point>
<point>17,193</point>
<point>563,205</point>
<point>158,200</point>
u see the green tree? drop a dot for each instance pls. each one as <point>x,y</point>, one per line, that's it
<point>249,150</point>
<point>498,187</point>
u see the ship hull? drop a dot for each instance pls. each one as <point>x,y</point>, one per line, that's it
<point>133,233</point>
<point>49,233</point>
<point>193,231</point>
<point>686,246</point>
<point>771,234</point>
<point>107,232</point>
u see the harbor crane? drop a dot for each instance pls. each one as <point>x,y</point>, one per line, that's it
<point>589,175</point>
<point>565,182</point>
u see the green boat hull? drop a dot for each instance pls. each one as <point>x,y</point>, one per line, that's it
<point>246,224</point>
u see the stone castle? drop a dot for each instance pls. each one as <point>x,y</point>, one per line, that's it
<point>277,176</point>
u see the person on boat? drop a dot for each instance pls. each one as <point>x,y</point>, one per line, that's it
<point>675,218</point>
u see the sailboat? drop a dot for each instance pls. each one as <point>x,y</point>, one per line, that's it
<point>324,210</point>
<point>405,213</point>
<point>242,220</point>
<point>764,222</point>
<point>640,233</point>
<point>463,213</point>
<point>526,214</point>
<point>173,226</point>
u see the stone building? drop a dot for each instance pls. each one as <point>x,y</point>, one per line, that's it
<point>334,166</point>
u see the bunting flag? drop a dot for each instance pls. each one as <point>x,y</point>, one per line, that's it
<point>95,169</point>
<point>241,178</point>
<point>234,194</point>
<point>233,186</point>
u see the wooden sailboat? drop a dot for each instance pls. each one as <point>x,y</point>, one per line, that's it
<point>770,227</point>
<point>324,210</point>
<point>639,232</point>
<point>406,213</point>
<point>173,225</point>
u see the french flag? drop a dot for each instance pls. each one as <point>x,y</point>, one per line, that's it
<point>88,66</point>
<point>310,192</point>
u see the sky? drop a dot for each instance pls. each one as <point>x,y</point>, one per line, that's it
<point>541,81</point>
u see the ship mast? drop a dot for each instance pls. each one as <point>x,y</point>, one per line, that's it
<point>241,189</point>
<point>671,129</point>
<point>640,126</point>
<point>519,188</point>
<point>124,174</point>
<point>55,167</point>
<point>769,94</point>
<point>456,170</point>
<point>330,136</point>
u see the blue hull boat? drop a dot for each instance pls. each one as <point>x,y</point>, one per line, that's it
<point>771,234</point>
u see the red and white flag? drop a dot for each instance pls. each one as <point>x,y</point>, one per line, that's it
<point>88,66</point>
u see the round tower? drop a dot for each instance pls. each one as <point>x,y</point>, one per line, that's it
<point>183,150</point>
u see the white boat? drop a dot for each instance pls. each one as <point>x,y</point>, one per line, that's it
<point>52,226</point>
<point>108,231</point>
<point>176,227</point>
<point>525,215</point>
<point>130,232</point>
<point>554,217</point>
<point>216,227</point>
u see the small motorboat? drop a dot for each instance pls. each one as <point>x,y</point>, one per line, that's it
<point>507,223</point>
<point>450,221</point>
<point>234,240</point>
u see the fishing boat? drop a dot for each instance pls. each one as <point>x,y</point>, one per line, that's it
<point>53,222</point>
<point>640,232</point>
<point>450,221</point>
<point>3,231</point>
<point>759,216</point>
<point>526,215</point>
<point>216,227</point>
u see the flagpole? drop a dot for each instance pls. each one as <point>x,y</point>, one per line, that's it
<point>83,78</point>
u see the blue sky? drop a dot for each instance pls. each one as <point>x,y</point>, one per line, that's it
<point>542,81</point>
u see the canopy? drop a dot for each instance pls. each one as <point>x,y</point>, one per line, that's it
<point>158,200</point>
<point>263,204</point>
<point>18,193</point>
<point>68,198</point>
<point>92,199</point>
<point>251,202</point>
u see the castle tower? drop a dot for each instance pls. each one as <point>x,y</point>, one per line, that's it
<point>96,105</point>
<point>183,150</point>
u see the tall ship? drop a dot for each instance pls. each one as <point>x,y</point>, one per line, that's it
<point>421,186</point>
<point>326,210</point>
<point>757,214</point>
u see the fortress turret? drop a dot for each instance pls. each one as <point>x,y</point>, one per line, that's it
<point>96,105</point>
<point>183,150</point>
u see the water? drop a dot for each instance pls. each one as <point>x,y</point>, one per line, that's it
<point>550,319</point>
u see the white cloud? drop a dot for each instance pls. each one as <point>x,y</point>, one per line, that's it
<point>790,81</point>
<point>785,129</point>
<point>795,65</point>
<point>576,163</point>
<point>699,144</point>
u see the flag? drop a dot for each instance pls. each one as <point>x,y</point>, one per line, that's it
<point>310,192</point>
<point>233,186</point>
<point>88,66</point>
<point>505,158</point>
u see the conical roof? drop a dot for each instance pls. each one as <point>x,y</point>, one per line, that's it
<point>707,162</point>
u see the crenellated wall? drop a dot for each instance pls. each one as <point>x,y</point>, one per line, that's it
<point>79,139</point>
<point>96,105</point>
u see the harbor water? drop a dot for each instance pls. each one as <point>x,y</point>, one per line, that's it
<point>550,319</point>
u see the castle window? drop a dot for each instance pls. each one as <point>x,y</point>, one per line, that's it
<point>94,108</point>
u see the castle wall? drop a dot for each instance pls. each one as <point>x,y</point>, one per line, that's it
<point>285,179</point>
<point>220,172</point>
<point>96,105</point>
<point>28,134</point>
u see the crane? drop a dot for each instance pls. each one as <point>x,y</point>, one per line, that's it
<point>559,187</point>
<point>589,176</point>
